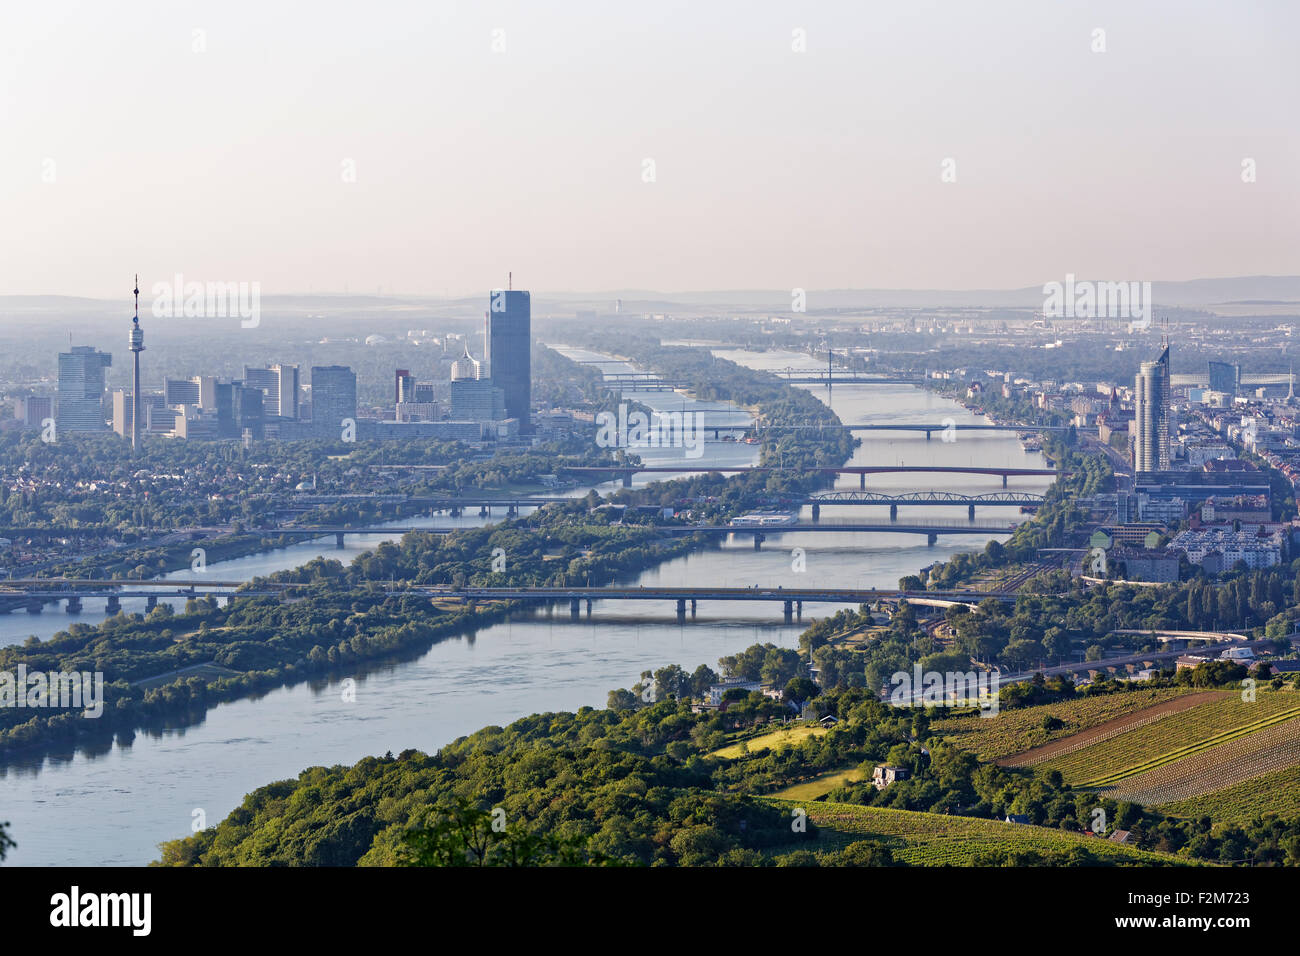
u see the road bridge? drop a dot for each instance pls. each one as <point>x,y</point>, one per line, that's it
<point>760,532</point>
<point>931,529</point>
<point>457,504</point>
<point>627,471</point>
<point>791,599</point>
<point>928,427</point>
<point>32,594</point>
<point>1003,499</point>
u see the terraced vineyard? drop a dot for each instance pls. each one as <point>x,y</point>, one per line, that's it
<point>1173,737</point>
<point>934,839</point>
<point>1276,792</point>
<point>1016,731</point>
<point>1222,762</point>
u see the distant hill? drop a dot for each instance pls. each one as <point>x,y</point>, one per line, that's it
<point>1240,291</point>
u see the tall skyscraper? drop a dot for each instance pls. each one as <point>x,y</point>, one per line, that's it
<point>1151,418</point>
<point>333,398</point>
<point>124,412</point>
<point>279,385</point>
<point>137,346</point>
<point>509,351</point>
<point>239,408</point>
<point>1225,377</point>
<point>287,391</point>
<point>81,390</point>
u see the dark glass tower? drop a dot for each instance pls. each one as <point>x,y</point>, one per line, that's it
<point>333,398</point>
<point>509,351</point>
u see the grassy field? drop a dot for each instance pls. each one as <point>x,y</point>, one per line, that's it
<point>772,740</point>
<point>1277,792</point>
<point>932,839</point>
<point>819,786</point>
<point>1015,731</point>
<point>1173,737</point>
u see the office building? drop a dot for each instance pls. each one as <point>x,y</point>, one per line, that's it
<point>477,400</point>
<point>123,412</point>
<point>509,351</point>
<point>1151,417</point>
<point>1225,378</point>
<point>33,410</point>
<point>81,390</point>
<point>181,391</point>
<point>333,399</point>
<point>238,408</point>
<point>417,412</point>
<point>279,386</point>
<point>466,367</point>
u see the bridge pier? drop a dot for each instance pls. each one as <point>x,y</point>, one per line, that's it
<point>627,479</point>
<point>692,608</point>
<point>798,609</point>
<point>893,512</point>
<point>151,603</point>
<point>681,610</point>
<point>483,511</point>
<point>338,539</point>
<point>114,605</point>
<point>758,541</point>
<point>927,434</point>
<point>74,605</point>
<point>588,608</point>
<point>575,608</point>
<point>931,538</point>
<point>512,511</point>
<point>862,481</point>
<point>35,606</point>
<point>816,512</point>
<point>1004,481</point>
<point>970,512</point>
<point>788,611</point>
<point>455,512</point>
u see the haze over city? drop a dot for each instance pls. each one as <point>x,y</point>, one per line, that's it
<point>218,140</point>
<point>714,435</point>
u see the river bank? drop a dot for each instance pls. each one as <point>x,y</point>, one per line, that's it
<point>114,806</point>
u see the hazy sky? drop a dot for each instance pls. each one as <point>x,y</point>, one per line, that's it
<point>773,168</point>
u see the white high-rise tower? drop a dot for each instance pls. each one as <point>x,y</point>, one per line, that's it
<point>1151,416</point>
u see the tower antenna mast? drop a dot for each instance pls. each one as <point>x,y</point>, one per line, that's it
<point>137,346</point>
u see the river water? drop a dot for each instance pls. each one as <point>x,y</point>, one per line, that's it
<point>114,807</point>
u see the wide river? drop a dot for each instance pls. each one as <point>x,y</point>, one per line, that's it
<point>114,807</point>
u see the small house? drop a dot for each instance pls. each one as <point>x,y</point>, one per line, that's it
<point>884,775</point>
